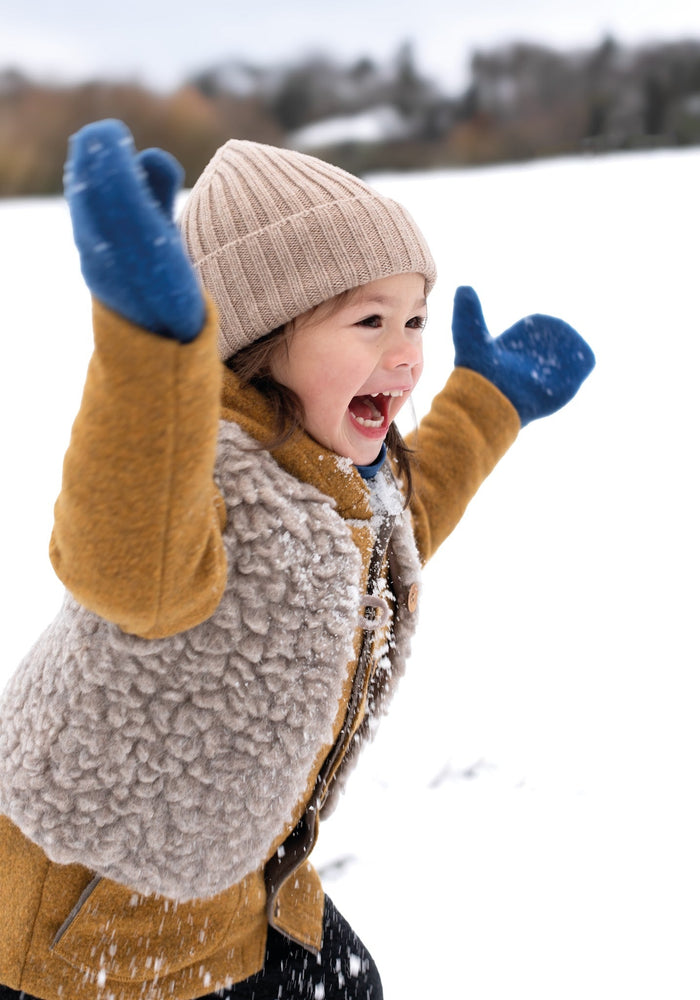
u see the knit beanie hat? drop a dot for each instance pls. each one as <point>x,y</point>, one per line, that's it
<point>273,232</point>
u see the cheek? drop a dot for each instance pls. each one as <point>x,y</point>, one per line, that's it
<point>324,399</point>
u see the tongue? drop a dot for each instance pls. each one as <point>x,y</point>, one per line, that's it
<point>365,407</point>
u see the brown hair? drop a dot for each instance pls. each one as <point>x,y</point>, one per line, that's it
<point>253,365</point>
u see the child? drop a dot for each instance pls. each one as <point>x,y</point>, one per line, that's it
<point>241,547</point>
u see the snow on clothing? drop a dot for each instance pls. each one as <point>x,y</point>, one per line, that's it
<point>344,969</point>
<point>233,623</point>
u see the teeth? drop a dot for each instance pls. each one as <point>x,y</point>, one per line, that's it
<point>376,421</point>
<point>368,423</point>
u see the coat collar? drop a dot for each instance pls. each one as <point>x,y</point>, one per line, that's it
<point>300,456</point>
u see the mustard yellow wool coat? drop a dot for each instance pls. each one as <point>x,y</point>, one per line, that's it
<point>94,906</point>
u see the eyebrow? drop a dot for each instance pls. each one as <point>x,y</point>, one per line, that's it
<point>388,300</point>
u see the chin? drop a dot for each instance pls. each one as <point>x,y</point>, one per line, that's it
<point>368,459</point>
<point>359,448</point>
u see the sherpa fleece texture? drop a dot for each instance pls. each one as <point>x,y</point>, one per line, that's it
<point>172,765</point>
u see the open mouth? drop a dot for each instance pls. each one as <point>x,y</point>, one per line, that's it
<point>372,411</point>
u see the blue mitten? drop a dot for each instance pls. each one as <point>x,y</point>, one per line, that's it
<point>538,364</point>
<point>131,253</point>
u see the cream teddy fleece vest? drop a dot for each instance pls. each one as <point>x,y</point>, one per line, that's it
<point>171,765</point>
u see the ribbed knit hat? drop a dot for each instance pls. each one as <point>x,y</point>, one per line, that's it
<point>273,232</point>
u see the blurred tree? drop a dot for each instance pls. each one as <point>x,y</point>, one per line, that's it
<point>36,121</point>
<point>523,100</point>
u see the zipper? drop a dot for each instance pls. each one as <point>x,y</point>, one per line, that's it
<point>298,845</point>
<point>363,665</point>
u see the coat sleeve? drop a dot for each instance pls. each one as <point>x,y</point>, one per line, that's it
<point>468,429</point>
<point>138,522</point>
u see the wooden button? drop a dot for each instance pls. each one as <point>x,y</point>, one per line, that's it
<point>412,597</point>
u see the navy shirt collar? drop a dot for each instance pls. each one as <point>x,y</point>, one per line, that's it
<point>367,471</point>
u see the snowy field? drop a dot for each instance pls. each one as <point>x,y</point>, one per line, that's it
<point>526,823</point>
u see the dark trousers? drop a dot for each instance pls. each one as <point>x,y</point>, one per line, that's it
<point>344,970</point>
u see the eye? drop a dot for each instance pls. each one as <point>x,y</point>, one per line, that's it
<point>416,322</point>
<point>371,321</point>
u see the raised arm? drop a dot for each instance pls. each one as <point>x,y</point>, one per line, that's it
<point>137,533</point>
<point>498,385</point>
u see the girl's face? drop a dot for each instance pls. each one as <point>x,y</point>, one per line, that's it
<point>354,369</point>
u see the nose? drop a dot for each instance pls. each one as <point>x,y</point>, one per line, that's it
<point>404,349</point>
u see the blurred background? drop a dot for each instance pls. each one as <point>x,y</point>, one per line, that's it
<point>368,85</point>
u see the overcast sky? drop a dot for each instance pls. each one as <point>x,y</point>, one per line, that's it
<point>160,42</point>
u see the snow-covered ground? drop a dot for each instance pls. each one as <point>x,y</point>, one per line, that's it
<point>526,823</point>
